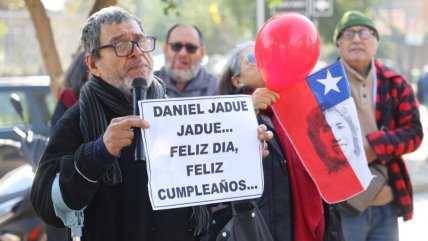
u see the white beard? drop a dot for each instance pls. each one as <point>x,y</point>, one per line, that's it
<point>126,85</point>
<point>182,76</point>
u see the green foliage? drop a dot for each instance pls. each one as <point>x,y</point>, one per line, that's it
<point>3,28</point>
<point>73,6</point>
<point>224,23</point>
<point>273,3</point>
<point>171,5</point>
<point>326,25</point>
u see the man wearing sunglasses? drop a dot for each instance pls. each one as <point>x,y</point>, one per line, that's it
<point>183,73</point>
<point>390,124</point>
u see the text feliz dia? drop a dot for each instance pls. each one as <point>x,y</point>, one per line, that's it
<point>196,109</point>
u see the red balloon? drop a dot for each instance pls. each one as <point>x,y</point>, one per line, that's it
<point>287,48</point>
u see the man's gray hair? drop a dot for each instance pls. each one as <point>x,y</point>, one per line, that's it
<point>90,36</point>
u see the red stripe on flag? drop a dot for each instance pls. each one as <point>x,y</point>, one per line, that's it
<point>335,182</point>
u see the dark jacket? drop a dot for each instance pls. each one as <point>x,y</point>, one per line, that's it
<point>422,93</point>
<point>275,202</point>
<point>113,212</point>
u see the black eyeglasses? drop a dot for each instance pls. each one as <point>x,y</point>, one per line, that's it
<point>190,48</point>
<point>363,33</point>
<point>125,48</point>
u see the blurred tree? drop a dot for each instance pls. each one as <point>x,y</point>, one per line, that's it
<point>99,4</point>
<point>46,41</point>
<point>224,23</point>
<point>12,4</point>
<point>326,25</point>
<point>45,37</point>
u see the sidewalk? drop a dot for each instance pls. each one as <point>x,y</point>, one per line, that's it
<point>417,162</point>
<point>418,170</point>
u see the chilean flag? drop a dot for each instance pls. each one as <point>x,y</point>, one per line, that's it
<point>321,120</point>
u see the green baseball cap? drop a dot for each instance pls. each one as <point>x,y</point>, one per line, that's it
<point>353,18</point>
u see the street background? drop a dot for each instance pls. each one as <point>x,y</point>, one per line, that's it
<point>417,162</point>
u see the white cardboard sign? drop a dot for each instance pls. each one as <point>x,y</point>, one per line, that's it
<point>201,150</point>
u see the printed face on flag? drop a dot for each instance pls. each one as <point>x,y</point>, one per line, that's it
<point>335,135</point>
<point>337,115</point>
<point>326,145</point>
<point>320,118</point>
<point>343,121</point>
<point>344,130</point>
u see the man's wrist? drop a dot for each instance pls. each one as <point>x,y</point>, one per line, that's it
<point>101,155</point>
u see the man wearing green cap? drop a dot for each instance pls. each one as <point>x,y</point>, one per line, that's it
<point>390,124</point>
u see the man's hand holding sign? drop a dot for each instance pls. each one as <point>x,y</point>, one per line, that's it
<point>195,147</point>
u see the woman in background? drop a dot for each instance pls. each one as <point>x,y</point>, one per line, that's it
<point>291,204</point>
<point>76,75</point>
<point>241,76</point>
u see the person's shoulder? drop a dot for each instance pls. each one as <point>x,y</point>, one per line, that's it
<point>159,73</point>
<point>160,86</point>
<point>424,78</point>
<point>213,79</point>
<point>72,113</point>
<point>386,71</point>
<point>396,81</point>
<point>212,82</point>
<point>208,76</point>
<point>68,123</point>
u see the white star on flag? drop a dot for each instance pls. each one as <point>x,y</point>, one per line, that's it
<point>330,83</point>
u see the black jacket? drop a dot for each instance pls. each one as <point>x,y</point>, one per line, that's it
<point>275,203</point>
<point>118,212</point>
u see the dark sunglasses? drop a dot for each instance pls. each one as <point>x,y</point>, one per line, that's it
<point>190,48</point>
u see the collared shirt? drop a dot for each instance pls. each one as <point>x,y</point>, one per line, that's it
<point>363,91</point>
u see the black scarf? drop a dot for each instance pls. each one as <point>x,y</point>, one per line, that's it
<point>93,121</point>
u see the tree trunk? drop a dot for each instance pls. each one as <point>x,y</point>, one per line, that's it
<point>44,35</point>
<point>101,4</point>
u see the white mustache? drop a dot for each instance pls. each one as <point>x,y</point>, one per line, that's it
<point>132,65</point>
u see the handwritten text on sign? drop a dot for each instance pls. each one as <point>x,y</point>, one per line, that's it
<point>201,150</point>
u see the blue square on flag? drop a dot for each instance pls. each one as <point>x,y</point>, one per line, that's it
<point>329,85</point>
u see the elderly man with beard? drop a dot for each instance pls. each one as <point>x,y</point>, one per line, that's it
<point>183,74</point>
<point>91,146</point>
